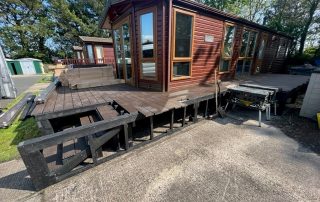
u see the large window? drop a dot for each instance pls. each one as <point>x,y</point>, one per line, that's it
<point>182,44</point>
<point>148,44</point>
<point>122,44</point>
<point>247,51</point>
<point>227,48</point>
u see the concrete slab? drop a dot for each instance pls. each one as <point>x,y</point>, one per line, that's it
<point>225,159</point>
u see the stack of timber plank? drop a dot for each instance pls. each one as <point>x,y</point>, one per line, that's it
<point>78,78</point>
<point>8,117</point>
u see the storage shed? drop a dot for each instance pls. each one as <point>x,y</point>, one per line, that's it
<point>25,66</point>
<point>173,44</point>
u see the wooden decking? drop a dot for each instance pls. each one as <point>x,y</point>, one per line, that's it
<point>65,101</point>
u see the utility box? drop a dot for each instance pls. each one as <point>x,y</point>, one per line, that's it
<point>311,101</point>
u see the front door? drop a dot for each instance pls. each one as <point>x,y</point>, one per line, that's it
<point>122,39</point>
<point>247,50</point>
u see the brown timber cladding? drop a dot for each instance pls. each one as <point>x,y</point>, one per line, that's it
<point>206,55</point>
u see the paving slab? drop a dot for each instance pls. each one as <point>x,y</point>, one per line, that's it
<point>226,159</point>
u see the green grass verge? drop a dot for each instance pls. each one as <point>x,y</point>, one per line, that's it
<point>12,136</point>
<point>46,78</point>
<point>19,130</point>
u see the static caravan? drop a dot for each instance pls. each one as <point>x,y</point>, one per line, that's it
<point>25,66</point>
<point>171,44</point>
<point>94,50</point>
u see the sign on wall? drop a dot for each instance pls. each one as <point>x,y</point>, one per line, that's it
<point>208,38</point>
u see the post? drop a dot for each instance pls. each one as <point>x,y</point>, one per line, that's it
<point>151,127</point>
<point>172,119</point>
<point>259,118</point>
<point>184,116</point>
<point>206,110</point>
<point>195,116</point>
<point>126,139</point>
<point>216,88</point>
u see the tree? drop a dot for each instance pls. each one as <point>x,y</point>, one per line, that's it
<point>24,27</point>
<point>74,18</point>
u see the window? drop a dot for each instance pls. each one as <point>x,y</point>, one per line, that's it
<point>90,53</point>
<point>99,52</point>
<point>247,51</point>
<point>227,49</point>
<point>147,44</point>
<point>182,44</point>
<point>281,52</point>
<point>122,44</point>
<point>261,49</point>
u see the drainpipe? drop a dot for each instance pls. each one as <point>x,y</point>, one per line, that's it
<point>169,46</point>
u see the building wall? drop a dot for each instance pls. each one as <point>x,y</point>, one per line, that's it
<point>206,55</point>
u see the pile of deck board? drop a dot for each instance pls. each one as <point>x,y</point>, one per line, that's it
<point>24,104</point>
<point>78,78</point>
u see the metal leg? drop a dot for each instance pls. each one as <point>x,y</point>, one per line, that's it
<point>267,113</point>
<point>206,110</point>
<point>259,118</point>
<point>275,108</point>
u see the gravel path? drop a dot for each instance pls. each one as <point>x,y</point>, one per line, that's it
<point>216,160</point>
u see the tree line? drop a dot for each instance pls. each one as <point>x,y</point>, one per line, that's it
<point>48,28</point>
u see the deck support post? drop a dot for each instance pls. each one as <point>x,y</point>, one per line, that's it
<point>259,118</point>
<point>93,150</point>
<point>184,116</point>
<point>151,127</point>
<point>126,139</point>
<point>59,154</point>
<point>172,119</point>
<point>195,117</point>
<point>205,115</point>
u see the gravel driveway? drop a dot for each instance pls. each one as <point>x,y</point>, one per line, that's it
<point>216,160</point>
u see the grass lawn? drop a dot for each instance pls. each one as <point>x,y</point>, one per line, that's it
<point>46,78</point>
<point>17,132</point>
<point>12,136</point>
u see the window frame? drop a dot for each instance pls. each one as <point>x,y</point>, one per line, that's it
<point>247,48</point>
<point>152,10</point>
<point>246,57</point>
<point>223,57</point>
<point>173,44</point>
<point>118,25</point>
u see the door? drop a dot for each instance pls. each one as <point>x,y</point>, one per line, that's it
<point>247,50</point>
<point>124,62</point>
<point>28,67</point>
<point>260,56</point>
<point>90,54</point>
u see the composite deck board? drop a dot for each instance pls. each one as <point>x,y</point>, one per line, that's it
<point>49,105</point>
<point>68,103</point>
<point>107,112</point>
<point>148,102</point>
<point>60,99</point>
